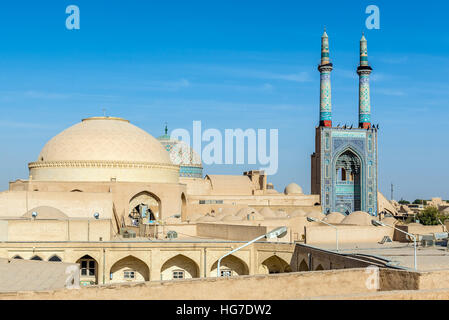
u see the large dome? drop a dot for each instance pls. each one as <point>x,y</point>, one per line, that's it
<point>104,139</point>
<point>104,148</point>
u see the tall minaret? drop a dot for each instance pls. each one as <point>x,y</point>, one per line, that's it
<point>325,69</point>
<point>364,71</point>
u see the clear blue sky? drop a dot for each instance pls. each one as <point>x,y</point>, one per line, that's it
<point>230,64</point>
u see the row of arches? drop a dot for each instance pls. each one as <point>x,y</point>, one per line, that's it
<point>133,269</point>
<point>303,266</point>
<point>53,258</point>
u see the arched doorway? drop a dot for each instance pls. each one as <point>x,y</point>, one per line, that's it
<point>144,207</point>
<point>319,268</point>
<point>274,264</point>
<point>179,267</point>
<point>129,269</point>
<point>88,270</point>
<point>229,267</point>
<point>348,176</point>
<point>303,266</point>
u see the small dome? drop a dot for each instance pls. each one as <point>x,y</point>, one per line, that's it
<point>298,213</point>
<point>316,214</point>
<point>281,214</point>
<point>358,218</point>
<point>232,218</point>
<point>390,220</point>
<point>46,213</point>
<point>206,218</point>
<point>245,211</point>
<point>268,213</point>
<point>228,211</point>
<point>335,217</point>
<point>293,189</point>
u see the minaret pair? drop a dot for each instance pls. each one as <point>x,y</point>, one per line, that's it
<point>364,70</point>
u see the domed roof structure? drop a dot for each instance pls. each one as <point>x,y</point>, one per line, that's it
<point>293,189</point>
<point>298,213</point>
<point>390,221</point>
<point>358,218</point>
<point>316,214</point>
<point>232,218</point>
<point>249,214</point>
<point>46,213</point>
<point>334,217</point>
<point>206,218</point>
<point>104,149</point>
<point>183,155</point>
<point>267,213</point>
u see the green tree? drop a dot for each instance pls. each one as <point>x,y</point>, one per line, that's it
<point>402,201</point>
<point>429,216</point>
<point>419,201</point>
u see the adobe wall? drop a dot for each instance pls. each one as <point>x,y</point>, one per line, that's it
<point>229,231</point>
<point>55,230</point>
<point>300,285</point>
<point>346,234</point>
<point>415,229</point>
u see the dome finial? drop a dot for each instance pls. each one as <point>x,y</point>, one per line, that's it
<point>166,128</point>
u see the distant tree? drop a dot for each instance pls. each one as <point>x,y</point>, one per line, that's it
<point>402,201</point>
<point>429,216</point>
<point>419,201</point>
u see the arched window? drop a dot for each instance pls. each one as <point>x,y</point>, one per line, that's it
<point>18,258</point>
<point>36,258</point>
<point>55,258</point>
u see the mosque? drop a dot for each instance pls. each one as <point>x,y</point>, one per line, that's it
<point>129,207</point>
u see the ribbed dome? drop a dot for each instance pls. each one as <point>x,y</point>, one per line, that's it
<point>104,139</point>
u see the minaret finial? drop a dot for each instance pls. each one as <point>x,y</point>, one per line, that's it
<point>166,128</point>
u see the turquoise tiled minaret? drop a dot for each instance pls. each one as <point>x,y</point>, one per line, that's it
<point>325,69</point>
<point>364,70</point>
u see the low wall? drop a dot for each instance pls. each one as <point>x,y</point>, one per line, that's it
<point>346,234</point>
<point>26,275</point>
<point>285,286</point>
<point>415,229</point>
<point>55,230</point>
<point>307,258</point>
<point>229,231</point>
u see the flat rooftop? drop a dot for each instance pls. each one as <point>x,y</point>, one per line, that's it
<point>400,254</point>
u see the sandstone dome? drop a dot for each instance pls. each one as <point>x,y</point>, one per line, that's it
<point>206,218</point>
<point>232,218</point>
<point>268,213</point>
<point>390,221</point>
<point>249,214</point>
<point>298,213</point>
<point>316,214</point>
<point>281,214</point>
<point>104,149</point>
<point>334,217</point>
<point>358,218</point>
<point>293,189</point>
<point>46,213</point>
